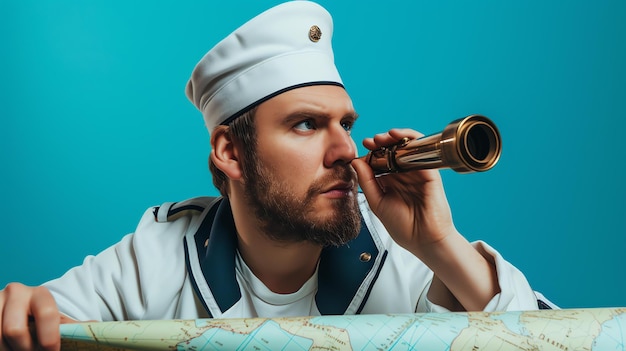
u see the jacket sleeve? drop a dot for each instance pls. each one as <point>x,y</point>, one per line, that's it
<point>515,291</point>
<point>143,272</point>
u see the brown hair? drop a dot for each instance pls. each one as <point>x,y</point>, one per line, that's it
<point>242,131</point>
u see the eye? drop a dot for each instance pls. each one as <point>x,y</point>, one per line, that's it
<point>347,126</point>
<point>305,125</point>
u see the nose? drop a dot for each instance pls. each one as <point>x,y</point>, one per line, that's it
<point>341,148</point>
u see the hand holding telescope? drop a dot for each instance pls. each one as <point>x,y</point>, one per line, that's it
<point>466,145</point>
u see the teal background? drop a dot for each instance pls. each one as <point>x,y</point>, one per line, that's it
<point>95,126</point>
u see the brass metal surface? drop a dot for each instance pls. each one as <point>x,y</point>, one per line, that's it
<point>466,145</point>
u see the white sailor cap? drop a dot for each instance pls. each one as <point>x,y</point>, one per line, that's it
<point>283,48</point>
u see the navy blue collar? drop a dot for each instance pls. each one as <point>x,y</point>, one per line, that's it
<point>342,270</point>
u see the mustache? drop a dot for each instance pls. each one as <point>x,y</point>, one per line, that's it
<point>344,173</point>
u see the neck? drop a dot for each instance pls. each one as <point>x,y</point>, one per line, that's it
<point>282,267</point>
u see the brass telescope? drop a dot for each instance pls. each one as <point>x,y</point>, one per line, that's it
<point>466,145</point>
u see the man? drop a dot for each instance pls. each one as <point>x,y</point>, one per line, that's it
<point>290,235</point>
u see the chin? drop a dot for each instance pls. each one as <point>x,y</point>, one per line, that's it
<point>331,209</point>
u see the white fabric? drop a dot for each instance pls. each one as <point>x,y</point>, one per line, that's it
<point>144,277</point>
<point>164,209</point>
<point>271,52</point>
<point>261,301</point>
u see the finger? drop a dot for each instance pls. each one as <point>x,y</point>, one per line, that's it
<point>67,320</point>
<point>385,139</point>
<point>391,137</point>
<point>3,345</point>
<point>400,133</point>
<point>368,183</point>
<point>47,319</point>
<point>15,331</point>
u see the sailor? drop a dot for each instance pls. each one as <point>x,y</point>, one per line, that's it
<point>290,235</point>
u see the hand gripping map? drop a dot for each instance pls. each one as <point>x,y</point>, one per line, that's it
<point>569,329</point>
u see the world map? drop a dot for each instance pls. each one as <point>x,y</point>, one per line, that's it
<point>566,330</point>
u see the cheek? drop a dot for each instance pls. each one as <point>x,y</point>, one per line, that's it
<point>292,161</point>
<point>296,167</point>
<point>301,163</point>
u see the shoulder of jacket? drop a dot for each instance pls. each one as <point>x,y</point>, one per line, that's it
<point>171,211</point>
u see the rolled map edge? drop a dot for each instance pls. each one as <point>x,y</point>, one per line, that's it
<point>564,329</point>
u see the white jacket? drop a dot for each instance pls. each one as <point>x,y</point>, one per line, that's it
<point>180,264</point>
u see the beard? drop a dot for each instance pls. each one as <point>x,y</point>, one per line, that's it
<point>286,217</point>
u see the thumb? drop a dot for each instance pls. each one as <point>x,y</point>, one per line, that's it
<point>372,190</point>
<point>67,320</point>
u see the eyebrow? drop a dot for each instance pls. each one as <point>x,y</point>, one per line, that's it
<point>304,114</point>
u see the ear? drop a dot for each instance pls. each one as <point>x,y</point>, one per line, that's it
<point>224,154</point>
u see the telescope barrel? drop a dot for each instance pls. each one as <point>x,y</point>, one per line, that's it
<point>466,145</point>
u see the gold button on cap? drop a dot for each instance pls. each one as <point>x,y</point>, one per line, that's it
<point>315,34</point>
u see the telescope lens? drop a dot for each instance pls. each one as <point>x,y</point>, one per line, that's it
<point>478,142</point>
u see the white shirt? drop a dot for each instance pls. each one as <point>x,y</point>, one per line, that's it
<point>262,302</point>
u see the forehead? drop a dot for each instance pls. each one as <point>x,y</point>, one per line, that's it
<point>330,100</point>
